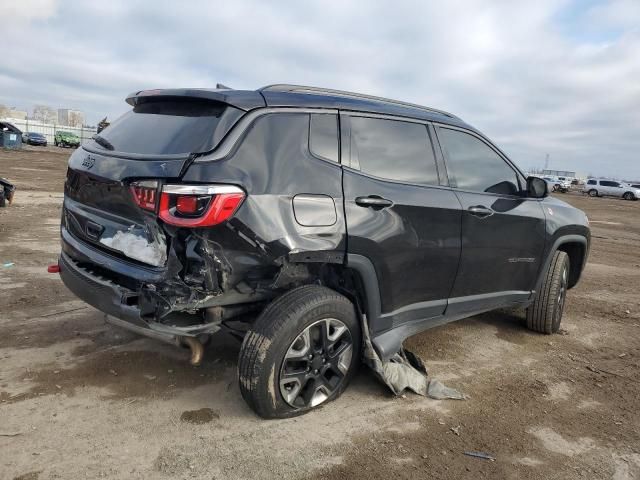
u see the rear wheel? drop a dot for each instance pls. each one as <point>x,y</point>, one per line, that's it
<point>593,192</point>
<point>301,352</point>
<point>545,313</point>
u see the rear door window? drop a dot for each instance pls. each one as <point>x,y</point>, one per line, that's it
<point>592,182</point>
<point>167,127</point>
<point>323,136</point>
<point>393,150</point>
<point>473,165</point>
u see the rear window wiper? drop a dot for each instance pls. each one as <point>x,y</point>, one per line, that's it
<point>103,142</point>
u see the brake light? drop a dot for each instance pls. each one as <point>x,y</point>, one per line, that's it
<point>187,204</point>
<point>198,205</point>
<point>145,194</point>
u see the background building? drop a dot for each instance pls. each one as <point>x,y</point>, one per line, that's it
<point>70,118</point>
<point>19,114</point>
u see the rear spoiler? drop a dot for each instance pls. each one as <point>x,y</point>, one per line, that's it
<point>242,99</point>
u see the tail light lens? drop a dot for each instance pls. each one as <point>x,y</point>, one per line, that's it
<point>198,205</point>
<point>188,205</point>
<point>145,194</point>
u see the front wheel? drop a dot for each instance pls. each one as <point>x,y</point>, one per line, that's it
<point>545,313</point>
<point>301,352</point>
<point>593,193</point>
<point>629,196</point>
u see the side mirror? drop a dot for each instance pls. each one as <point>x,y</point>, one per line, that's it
<point>537,187</point>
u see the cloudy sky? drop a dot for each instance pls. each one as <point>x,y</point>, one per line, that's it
<point>547,76</point>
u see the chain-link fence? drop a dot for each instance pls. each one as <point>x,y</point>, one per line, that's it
<point>49,130</point>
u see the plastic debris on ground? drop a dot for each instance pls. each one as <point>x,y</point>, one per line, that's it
<point>405,371</point>
<point>484,456</point>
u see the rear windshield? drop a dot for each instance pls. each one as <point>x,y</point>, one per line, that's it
<point>164,127</point>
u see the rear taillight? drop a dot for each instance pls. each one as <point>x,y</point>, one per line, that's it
<point>198,205</point>
<point>188,205</point>
<point>145,194</point>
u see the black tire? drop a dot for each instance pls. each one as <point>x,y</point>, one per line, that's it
<point>3,201</point>
<point>629,196</point>
<point>265,354</point>
<point>593,192</point>
<point>545,313</point>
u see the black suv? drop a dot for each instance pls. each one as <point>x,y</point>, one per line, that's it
<point>304,220</point>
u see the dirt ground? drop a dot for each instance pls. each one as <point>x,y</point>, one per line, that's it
<point>82,399</point>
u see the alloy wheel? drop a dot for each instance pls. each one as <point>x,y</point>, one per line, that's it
<point>562,294</point>
<point>316,363</point>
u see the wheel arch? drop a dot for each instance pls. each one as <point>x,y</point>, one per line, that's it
<point>577,252</point>
<point>577,247</point>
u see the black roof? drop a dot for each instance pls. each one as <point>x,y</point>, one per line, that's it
<point>284,95</point>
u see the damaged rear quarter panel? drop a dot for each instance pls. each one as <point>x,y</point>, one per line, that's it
<point>273,164</point>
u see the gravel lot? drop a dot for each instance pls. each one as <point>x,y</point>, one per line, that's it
<point>81,399</point>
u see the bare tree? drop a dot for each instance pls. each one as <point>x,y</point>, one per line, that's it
<point>44,113</point>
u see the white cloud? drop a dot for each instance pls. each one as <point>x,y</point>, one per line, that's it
<point>538,77</point>
<point>20,12</point>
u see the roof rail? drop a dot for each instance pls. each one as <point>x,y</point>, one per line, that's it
<point>284,87</point>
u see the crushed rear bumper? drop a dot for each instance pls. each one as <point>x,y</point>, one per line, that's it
<point>116,301</point>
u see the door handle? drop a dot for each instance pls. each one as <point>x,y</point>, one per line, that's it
<point>373,201</point>
<point>480,211</point>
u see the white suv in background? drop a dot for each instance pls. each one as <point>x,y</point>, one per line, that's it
<point>611,188</point>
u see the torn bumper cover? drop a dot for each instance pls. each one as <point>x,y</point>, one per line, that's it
<point>138,306</point>
<point>404,371</point>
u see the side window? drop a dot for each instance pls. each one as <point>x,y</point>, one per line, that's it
<point>393,149</point>
<point>609,183</point>
<point>592,182</point>
<point>323,136</point>
<point>473,165</point>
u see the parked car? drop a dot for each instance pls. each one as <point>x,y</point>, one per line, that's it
<point>300,219</point>
<point>34,138</point>
<point>66,139</point>
<point>558,185</point>
<point>611,188</point>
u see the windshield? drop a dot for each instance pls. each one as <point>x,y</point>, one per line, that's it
<point>165,126</point>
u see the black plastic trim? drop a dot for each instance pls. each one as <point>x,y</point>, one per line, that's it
<point>556,245</point>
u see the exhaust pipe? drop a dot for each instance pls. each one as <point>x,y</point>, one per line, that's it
<point>197,349</point>
<point>195,345</point>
